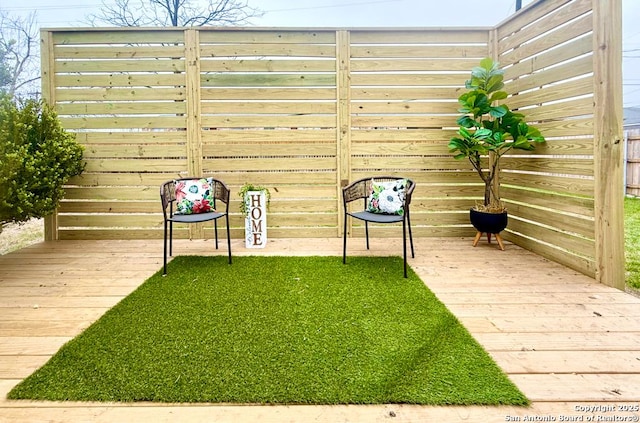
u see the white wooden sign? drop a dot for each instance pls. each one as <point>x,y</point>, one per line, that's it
<point>256,220</point>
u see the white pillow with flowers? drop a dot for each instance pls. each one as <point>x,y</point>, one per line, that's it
<point>194,196</point>
<point>387,197</point>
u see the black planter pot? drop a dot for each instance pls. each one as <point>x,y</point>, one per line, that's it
<point>489,223</point>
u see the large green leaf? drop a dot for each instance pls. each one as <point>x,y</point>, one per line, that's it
<point>498,111</point>
<point>487,63</point>
<point>466,121</point>
<point>494,83</point>
<point>498,95</point>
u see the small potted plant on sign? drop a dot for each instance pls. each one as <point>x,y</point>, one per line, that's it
<point>255,201</point>
<point>487,131</point>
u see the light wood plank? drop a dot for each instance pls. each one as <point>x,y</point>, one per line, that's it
<point>125,65</point>
<point>267,65</point>
<point>28,345</point>
<point>38,328</point>
<point>119,52</point>
<point>588,388</point>
<point>80,36</point>
<point>268,49</point>
<point>270,35</point>
<point>558,362</point>
<point>21,366</point>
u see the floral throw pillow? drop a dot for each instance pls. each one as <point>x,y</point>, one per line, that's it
<point>194,196</point>
<point>387,197</point>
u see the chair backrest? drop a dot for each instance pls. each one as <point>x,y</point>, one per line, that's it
<point>362,189</point>
<point>168,193</point>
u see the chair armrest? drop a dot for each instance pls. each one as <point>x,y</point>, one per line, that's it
<point>167,197</point>
<point>409,192</point>
<point>222,192</point>
<point>355,191</point>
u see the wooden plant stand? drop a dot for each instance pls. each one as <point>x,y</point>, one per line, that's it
<point>498,238</point>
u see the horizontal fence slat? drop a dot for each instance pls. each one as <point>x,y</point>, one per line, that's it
<point>269,65</point>
<point>269,107</point>
<point>119,52</point>
<point>550,164</point>
<point>125,65</point>
<point>268,49</point>
<point>446,59</point>
<point>582,206</point>
<point>268,93</point>
<point>265,35</point>
<point>448,36</point>
<point>120,80</point>
<point>268,135</point>
<point>122,108</point>
<point>268,80</point>
<point>289,149</point>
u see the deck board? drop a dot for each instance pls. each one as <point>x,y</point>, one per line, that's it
<point>564,339</point>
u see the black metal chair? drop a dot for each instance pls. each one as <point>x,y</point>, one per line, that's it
<point>219,192</point>
<point>382,212</point>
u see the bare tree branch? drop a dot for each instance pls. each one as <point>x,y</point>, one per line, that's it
<point>174,13</point>
<point>18,53</point>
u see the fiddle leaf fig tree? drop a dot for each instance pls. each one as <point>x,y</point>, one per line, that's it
<point>488,129</point>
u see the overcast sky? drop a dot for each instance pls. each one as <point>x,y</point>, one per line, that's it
<point>365,13</point>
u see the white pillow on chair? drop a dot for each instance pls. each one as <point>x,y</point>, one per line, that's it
<point>387,197</point>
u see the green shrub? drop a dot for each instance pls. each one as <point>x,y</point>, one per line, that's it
<point>37,157</point>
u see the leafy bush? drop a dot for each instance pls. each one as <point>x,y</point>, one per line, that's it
<point>37,157</point>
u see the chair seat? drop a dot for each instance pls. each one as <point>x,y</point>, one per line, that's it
<point>197,217</point>
<point>376,217</point>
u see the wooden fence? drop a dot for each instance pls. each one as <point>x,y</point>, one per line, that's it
<point>632,162</point>
<point>304,111</point>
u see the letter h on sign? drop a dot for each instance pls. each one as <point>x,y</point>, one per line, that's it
<point>256,220</point>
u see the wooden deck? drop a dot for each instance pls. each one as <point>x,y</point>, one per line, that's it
<point>570,344</point>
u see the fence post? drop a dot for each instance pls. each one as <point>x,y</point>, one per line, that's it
<point>194,120</point>
<point>343,117</point>
<point>48,95</point>
<point>608,143</point>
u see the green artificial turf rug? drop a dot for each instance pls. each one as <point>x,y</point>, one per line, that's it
<point>294,330</point>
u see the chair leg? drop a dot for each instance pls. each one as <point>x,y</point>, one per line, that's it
<point>344,242</point>
<point>413,255</point>
<point>404,245</point>
<point>228,238</point>
<point>366,231</point>
<point>164,271</point>
<point>215,230</point>
<point>171,239</point>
